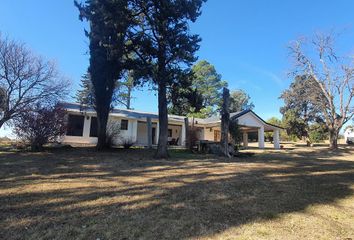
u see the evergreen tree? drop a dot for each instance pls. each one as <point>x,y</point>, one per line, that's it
<point>239,101</point>
<point>201,95</point>
<point>300,110</point>
<point>165,44</point>
<point>110,21</point>
<point>85,95</point>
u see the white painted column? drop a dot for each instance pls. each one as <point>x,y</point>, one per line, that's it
<point>157,132</point>
<point>276,139</point>
<point>149,131</point>
<point>261,137</point>
<point>245,139</point>
<point>87,125</point>
<point>134,131</point>
<point>183,135</point>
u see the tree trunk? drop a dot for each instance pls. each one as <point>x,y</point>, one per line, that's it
<point>102,119</point>
<point>333,139</point>
<point>2,122</point>
<point>163,123</point>
<point>225,122</point>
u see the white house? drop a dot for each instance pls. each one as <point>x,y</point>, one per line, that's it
<point>349,135</point>
<point>135,125</point>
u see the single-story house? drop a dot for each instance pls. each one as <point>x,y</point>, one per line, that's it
<point>134,125</point>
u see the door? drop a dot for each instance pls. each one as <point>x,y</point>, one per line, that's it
<point>217,135</point>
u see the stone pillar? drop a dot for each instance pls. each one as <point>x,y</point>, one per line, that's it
<point>149,131</point>
<point>245,139</point>
<point>276,139</point>
<point>261,137</point>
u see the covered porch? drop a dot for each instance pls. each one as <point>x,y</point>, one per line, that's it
<point>148,132</point>
<point>250,125</point>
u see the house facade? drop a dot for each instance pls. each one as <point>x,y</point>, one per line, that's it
<point>142,128</point>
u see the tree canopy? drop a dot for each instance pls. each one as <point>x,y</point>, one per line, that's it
<point>110,21</point>
<point>25,80</point>
<point>240,100</point>
<point>164,44</point>
<point>332,77</point>
<point>300,109</point>
<point>201,93</point>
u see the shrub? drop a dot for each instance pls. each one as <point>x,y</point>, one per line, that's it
<point>127,143</point>
<point>39,126</point>
<point>112,133</point>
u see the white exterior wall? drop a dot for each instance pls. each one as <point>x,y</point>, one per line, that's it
<point>176,132</point>
<point>142,138</point>
<point>129,134</point>
<point>209,135</point>
<point>137,131</point>
<point>85,139</point>
<point>250,121</point>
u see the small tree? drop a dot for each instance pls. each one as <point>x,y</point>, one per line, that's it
<point>300,110</point>
<point>40,125</point>
<point>113,133</point>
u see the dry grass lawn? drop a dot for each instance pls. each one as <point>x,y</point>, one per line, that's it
<point>126,194</point>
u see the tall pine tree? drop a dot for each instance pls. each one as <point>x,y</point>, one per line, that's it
<point>166,45</point>
<point>109,24</point>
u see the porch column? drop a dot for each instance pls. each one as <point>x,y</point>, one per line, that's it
<point>87,125</point>
<point>149,131</point>
<point>276,139</point>
<point>245,139</point>
<point>157,133</point>
<point>184,133</point>
<point>134,131</point>
<point>261,137</point>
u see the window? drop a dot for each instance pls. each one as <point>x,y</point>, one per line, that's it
<point>93,127</point>
<point>75,125</point>
<point>169,132</point>
<point>124,124</point>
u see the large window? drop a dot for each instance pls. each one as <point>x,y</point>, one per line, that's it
<point>124,124</point>
<point>75,125</point>
<point>93,127</point>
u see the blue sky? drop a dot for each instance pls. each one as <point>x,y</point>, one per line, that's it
<point>246,40</point>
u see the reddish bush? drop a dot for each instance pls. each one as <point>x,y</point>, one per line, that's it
<point>40,126</point>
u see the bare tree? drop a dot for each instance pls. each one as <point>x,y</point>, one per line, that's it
<point>25,79</point>
<point>333,75</point>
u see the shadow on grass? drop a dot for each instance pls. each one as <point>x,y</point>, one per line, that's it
<point>122,194</point>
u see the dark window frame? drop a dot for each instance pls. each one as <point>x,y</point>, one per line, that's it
<point>169,132</point>
<point>124,126</point>
<point>74,128</point>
